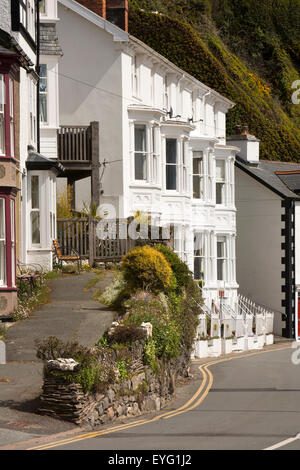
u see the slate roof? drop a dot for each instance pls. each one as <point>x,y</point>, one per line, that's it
<point>284,185</point>
<point>49,44</point>
<point>36,161</point>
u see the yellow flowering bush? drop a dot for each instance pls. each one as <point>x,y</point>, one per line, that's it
<point>146,268</point>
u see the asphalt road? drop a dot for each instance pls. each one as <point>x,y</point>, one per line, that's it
<point>250,402</point>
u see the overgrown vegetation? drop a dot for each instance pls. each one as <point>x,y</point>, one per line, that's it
<point>149,297</point>
<point>29,299</point>
<point>247,50</point>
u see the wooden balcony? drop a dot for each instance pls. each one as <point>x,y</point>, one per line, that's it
<point>78,152</point>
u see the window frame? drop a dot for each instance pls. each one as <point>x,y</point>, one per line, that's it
<point>8,114</point>
<point>202,256</point>
<point>9,240</point>
<point>222,183</point>
<point>172,165</point>
<point>200,176</point>
<point>44,12</point>
<point>35,210</point>
<point>152,153</point>
<point>3,280</point>
<point>223,258</point>
<point>44,93</point>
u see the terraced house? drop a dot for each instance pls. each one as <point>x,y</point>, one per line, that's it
<point>163,147</point>
<point>27,178</point>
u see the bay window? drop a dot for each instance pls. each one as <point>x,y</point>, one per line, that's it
<point>184,167</point>
<point>11,118</point>
<point>155,153</point>
<point>220,182</point>
<point>7,241</point>
<point>146,153</point>
<point>2,243</point>
<point>199,256</point>
<point>7,117</point>
<point>221,259</point>
<point>198,175</point>
<point>43,94</point>
<point>2,115</point>
<point>171,164</point>
<point>140,152</point>
<point>35,211</point>
<point>181,242</point>
<point>52,208</point>
<point>13,242</point>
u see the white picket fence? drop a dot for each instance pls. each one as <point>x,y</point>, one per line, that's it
<point>245,327</point>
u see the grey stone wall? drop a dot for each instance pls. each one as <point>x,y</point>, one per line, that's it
<point>142,393</point>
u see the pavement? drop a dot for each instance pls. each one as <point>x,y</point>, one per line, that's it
<point>71,314</point>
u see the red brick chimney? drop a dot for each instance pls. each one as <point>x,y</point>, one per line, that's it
<point>97,6</point>
<point>117,13</point>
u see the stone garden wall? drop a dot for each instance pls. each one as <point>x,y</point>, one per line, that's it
<point>142,393</point>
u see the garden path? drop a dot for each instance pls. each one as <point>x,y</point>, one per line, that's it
<point>71,314</point>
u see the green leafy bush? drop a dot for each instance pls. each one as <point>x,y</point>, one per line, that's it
<point>249,51</point>
<point>146,268</point>
<point>180,269</point>
<point>150,354</point>
<point>166,333</point>
<point>122,366</point>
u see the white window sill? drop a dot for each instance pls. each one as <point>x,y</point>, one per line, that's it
<point>144,184</point>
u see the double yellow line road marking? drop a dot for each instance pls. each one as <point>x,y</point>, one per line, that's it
<point>191,404</point>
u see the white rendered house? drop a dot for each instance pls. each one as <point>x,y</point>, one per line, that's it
<point>163,137</point>
<point>42,168</point>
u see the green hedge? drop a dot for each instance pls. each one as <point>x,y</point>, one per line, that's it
<point>269,114</point>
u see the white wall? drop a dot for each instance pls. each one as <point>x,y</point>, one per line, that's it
<point>259,244</point>
<point>91,88</point>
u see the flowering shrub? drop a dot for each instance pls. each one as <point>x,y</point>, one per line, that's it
<point>146,268</point>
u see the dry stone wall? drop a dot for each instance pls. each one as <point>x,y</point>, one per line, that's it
<point>143,392</point>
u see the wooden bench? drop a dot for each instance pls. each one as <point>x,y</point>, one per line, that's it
<point>74,257</point>
<point>29,273</point>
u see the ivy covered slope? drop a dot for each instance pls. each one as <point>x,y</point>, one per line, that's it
<point>247,50</point>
